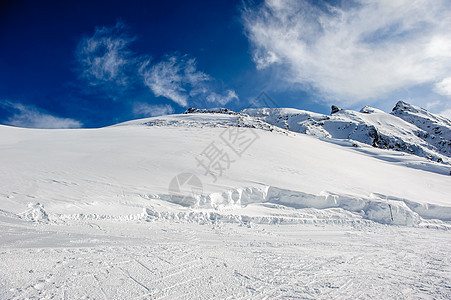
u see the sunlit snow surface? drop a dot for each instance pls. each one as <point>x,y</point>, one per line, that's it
<point>92,213</point>
<point>172,260</point>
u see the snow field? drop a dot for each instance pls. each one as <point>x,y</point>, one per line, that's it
<point>171,260</point>
<point>91,214</point>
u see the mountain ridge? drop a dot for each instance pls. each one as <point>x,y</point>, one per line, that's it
<point>407,128</point>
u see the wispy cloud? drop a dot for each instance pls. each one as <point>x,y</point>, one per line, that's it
<point>178,79</point>
<point>356,51</point>
<point>222,99</point>
<point>31,117</point>
<point>142,109</point>
<point>175,78</point>
<point>107,62</point>
<point>105,57</point>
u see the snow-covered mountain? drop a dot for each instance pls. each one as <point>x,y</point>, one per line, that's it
<point>435,129</point>
<point>188,206</point>
<point>408,128</point>
<point>237,161</point>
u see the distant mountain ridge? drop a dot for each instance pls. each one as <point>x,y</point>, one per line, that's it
<point>436,127</point>
<point>407,128</point>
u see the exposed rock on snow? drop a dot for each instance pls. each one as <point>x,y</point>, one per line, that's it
<point>226,111</point>
<point>334,109</point>
<point>434,129</point>
<point>408,128</point>
<point>201,118</point>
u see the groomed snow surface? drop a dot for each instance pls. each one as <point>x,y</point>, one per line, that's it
<point>175,260</point>
<point>142,210</point>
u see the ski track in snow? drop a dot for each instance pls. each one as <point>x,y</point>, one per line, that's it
<point>170,260</point>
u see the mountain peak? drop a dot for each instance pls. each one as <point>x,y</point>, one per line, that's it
<point>404,106</point>
<point>334,109</point>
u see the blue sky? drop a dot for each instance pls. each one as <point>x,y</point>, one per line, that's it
<point>68,64</point>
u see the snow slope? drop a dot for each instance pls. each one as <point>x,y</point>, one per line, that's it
<point>129,212</point>
<point>125,171</point>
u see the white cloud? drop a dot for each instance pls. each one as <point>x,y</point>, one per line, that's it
<point>222,99</point>
<point>31,117</point>
<point>178,79</point>
<point>144,109</point>
<point>104,57</point>
<point>107,62</point>
<point>174,78</point>
<point>360,50</point>
<point>443,87</point>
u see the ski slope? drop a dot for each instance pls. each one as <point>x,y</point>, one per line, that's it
<point>121,171</point>
<point>104,259</point>
<point>94,213</point>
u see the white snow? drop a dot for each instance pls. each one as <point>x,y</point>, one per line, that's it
<point>92,213</point>
<point>170,260</point>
